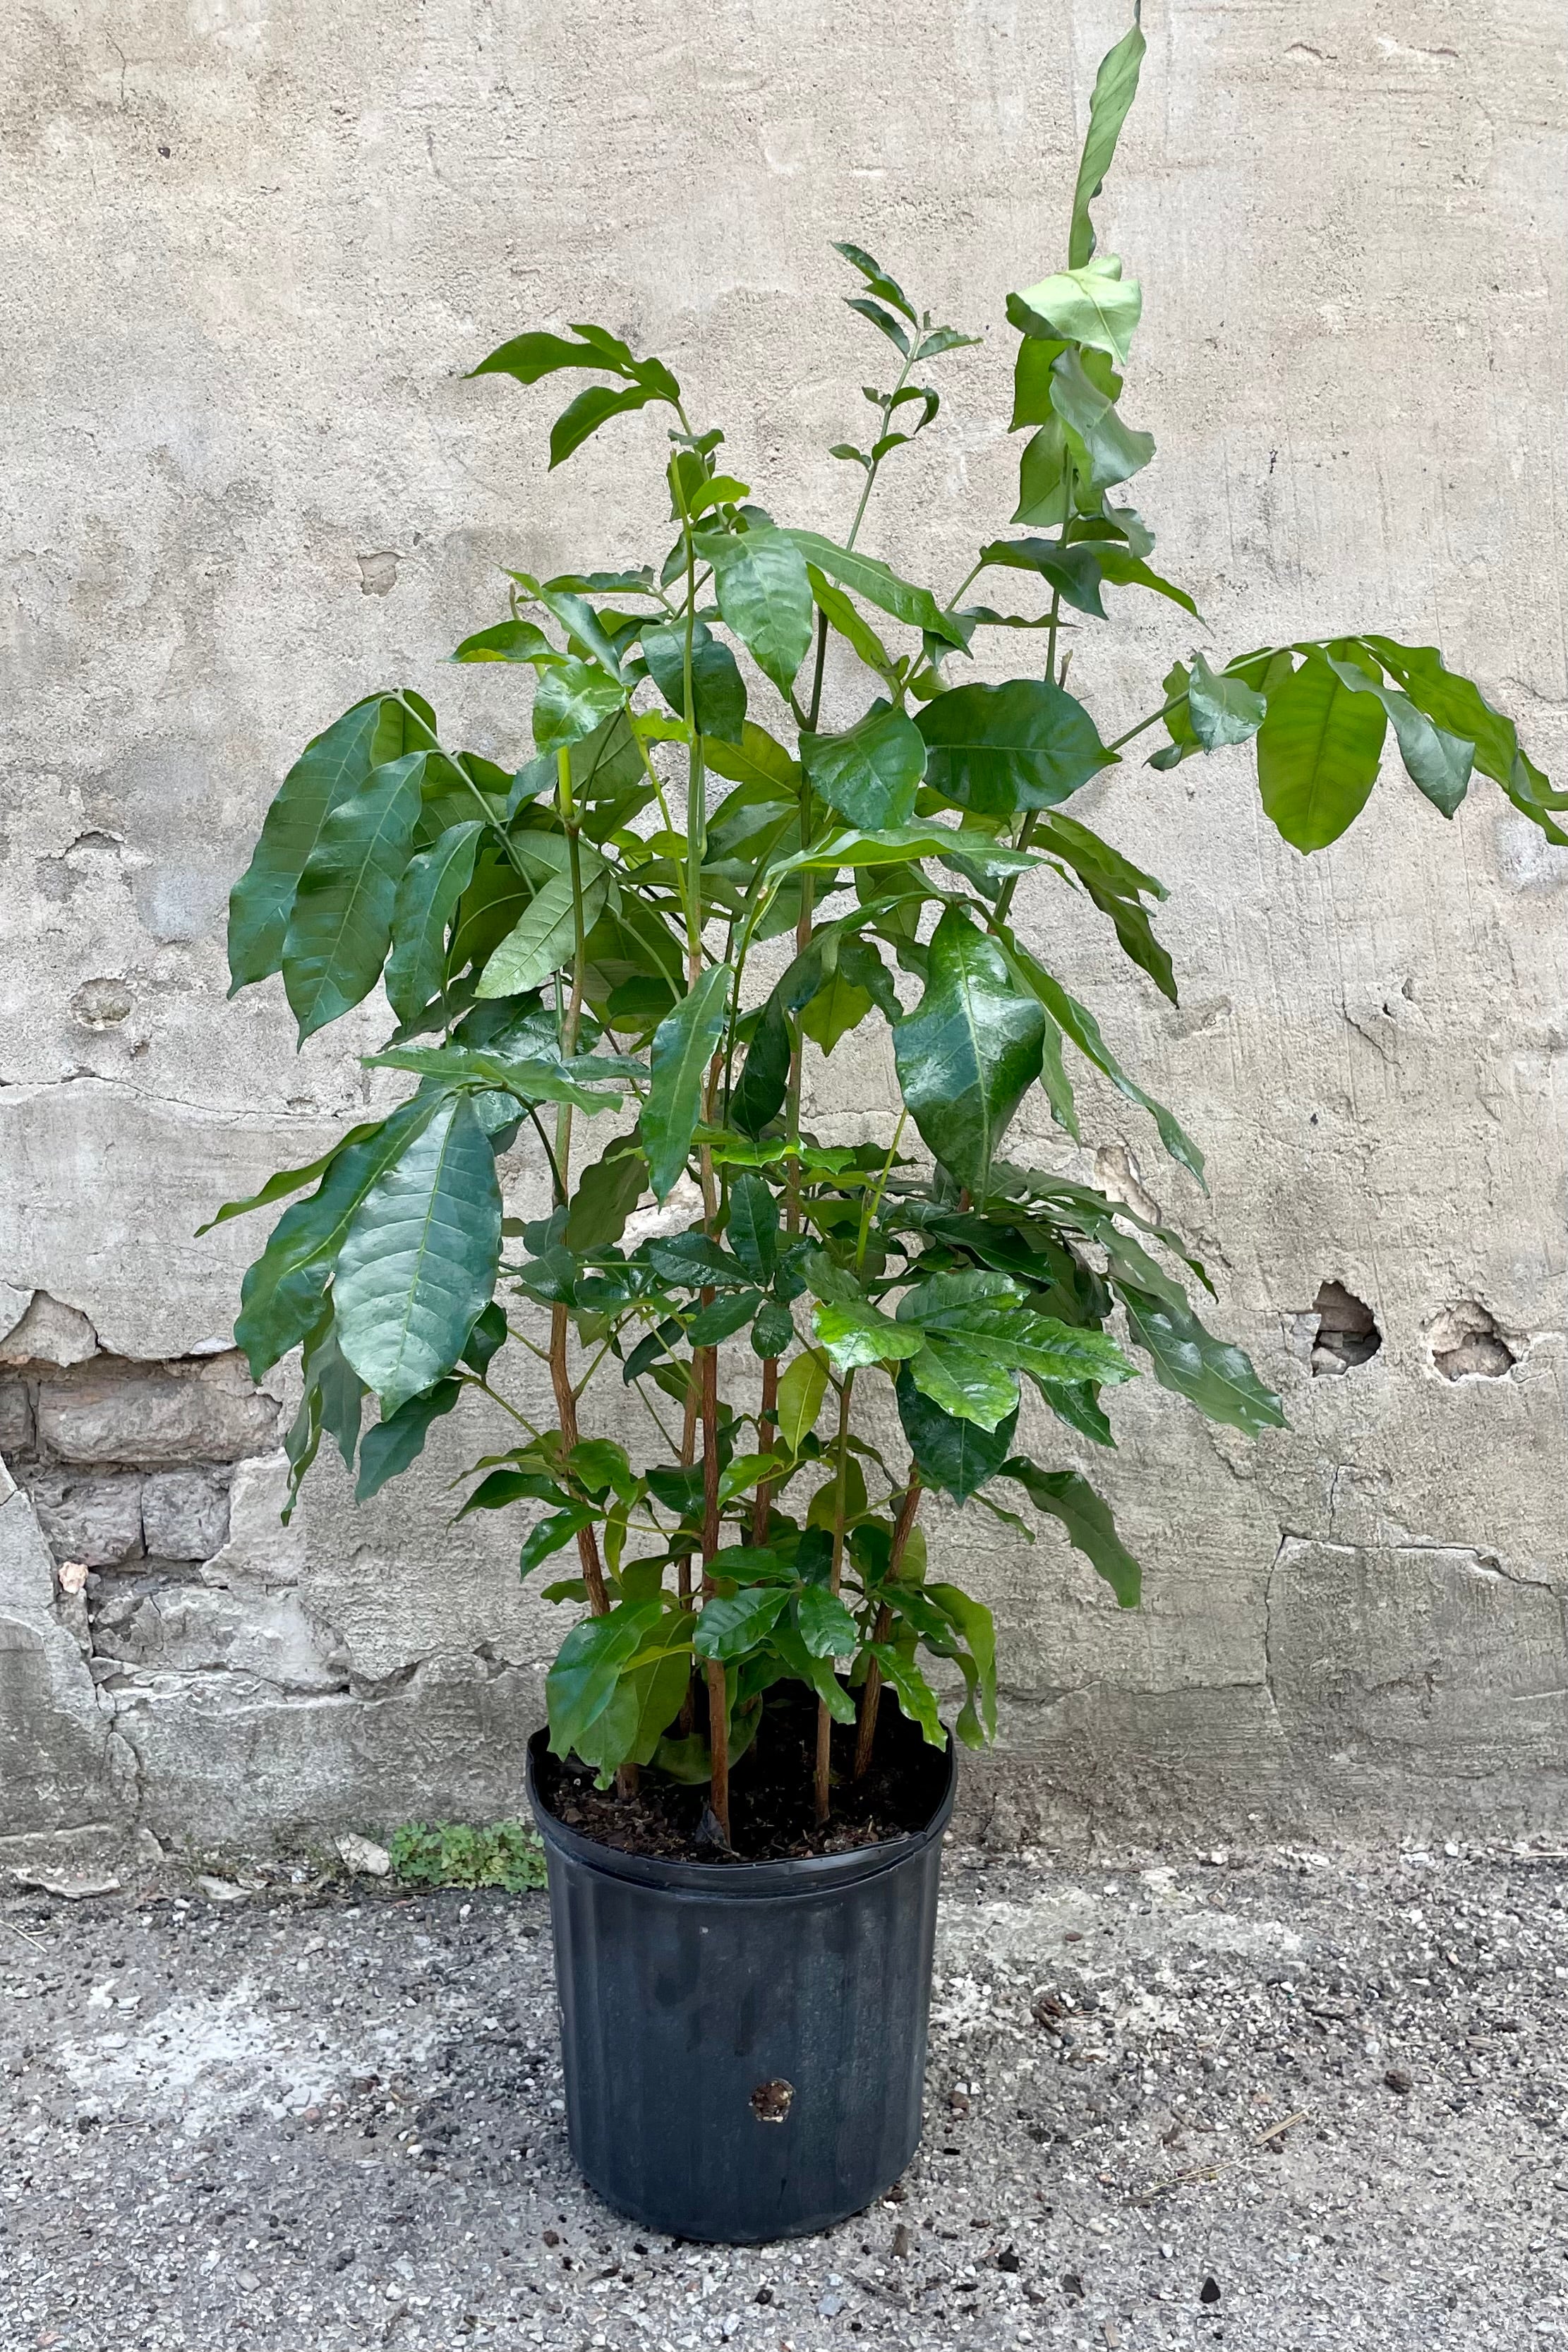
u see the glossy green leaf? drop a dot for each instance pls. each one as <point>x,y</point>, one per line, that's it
<point>854,1332</point>
<point>754,1225</point>
<point>759,577</point>
<point>331,769</point>
<point>1043,472</point>
<point>878,283</point>
<point>1437,763</point>
<point>999,749</point>
<point>721,1318</point>
<point>1126,570</point>
<point>1223,709</point>
<point>1458,706</point>
<point>683,1045</point>
<point>855,631</point>
<point>1112,450</point>
<point>289,1179</point>
<point>508,641</point>
<point>1093,304</point>
<point>1211,1373</point>
<point>419,1259</point>
<point>915,1695</point>
<point>973,1624</point>
<point>728,1628</point>
<point>548,1535</point>
<point>969,1052</point>
<point>757,760</point>
<point>816,1673</point>
<point>773,1330</point>
<point>952,1453</point>
<point>1079,1024</point>
<point>1074,571</point>
<point>397,1440</point>
<point>341,926</point>
<point>1318,753</point>
<point>718,689</point>
<point>425,906</point>
<point>607,1192</point>
<point>826,1627</point>
<point>870,773</point>
<point>646,1700</point>
<point>1115,86</point>
<point>588,1666</point>
<point>874,583</point>
<point>543,938</point>
<point>573,700</point>
<point>801,1387</point>
<point>1071,1499</point>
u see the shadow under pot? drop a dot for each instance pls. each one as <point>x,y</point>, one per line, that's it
<point>744,2043</point>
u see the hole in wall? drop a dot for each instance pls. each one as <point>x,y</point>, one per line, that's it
<point>1465,1344</point>
<point>1347,1330</point>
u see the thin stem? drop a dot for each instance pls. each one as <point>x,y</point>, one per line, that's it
<point>767,1429</point>
<point>718,1692</point>
<point>1145,724</point>
<point>871,1688</point>
<point>822,1789</point>
<point>875,467</point>
<point>873,1200</point>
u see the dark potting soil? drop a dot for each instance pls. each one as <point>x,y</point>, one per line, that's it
<point>770,1796</point>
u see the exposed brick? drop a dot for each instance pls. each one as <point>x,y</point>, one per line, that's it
<point>91,1516</point>
<point>184,1514</point>
<point>16,1417</point>
<point>203,1410</point>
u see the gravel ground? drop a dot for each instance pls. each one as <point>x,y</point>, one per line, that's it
<point>1277,2101</point>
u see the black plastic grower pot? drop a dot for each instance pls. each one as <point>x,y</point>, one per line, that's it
<point>745,2043</point>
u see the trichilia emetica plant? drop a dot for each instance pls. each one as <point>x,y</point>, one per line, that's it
<point>580,941</point>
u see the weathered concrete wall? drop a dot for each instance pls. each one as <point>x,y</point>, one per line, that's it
<point>250,248</point>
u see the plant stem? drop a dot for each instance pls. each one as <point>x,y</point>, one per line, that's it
<point>835,1576</point>
<point>718,1693</point>
<point>871,1688</point>
<point>1145,724</point>
<point>762,1503</point>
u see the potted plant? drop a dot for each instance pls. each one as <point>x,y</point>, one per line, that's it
<point>691,880</point>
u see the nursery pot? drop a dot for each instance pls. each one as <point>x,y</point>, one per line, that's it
<point>745,2043</point>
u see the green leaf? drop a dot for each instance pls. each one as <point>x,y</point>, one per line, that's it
<point>754,1225</point>
<point>1115,86</point>
<point>999,749</point>
<point>728,1629</point>
<point>395,1443</point>
<point>915,1695</point>
<point>588,412</point>
<point>1092,304</point>
<point>588,1666</point>
<point>551,1534</point>
<point>1081,1026</point>
<point>773,1330</point>
<point>1124,570</point>
<point>950,1453</point>
<point>764,596</point>
<point>816,1673</point>
<point>1439,764</point>
<point>508,641</point>
<point>718,689</point>
<point>979,1336</point>
<point>1044,484</point>
<point>573,700</point>
<point>757,761</point>
<point>857,1333</point>
<point>1213,1375</point>
<point>1223,709</point>
<point>973,1623</point>
<point>721,1318</point>
<point>341,926</point>
<point>875,584</point>
<point>646,1700</point>
<point>801,1389</point>
<point>289,1179</point>
<point>541,940</point>
<point>1318,753</point>
<point>826,1627</point>
<point>419,1259</point>
<point>1089,1526</point>
<point>969,1052</point>
<point>426,904</point>
<point>332,768</point>
<point>870,773</point>
<point>857,632</point>
<point>607,1192</point>
<point>683,1045</point>
<point>1458,706</point>
<point>281,1298</point>
<point>530,357</point>
<point>1074,571</point>
<point>878,281</point>
<point>1104,447</point>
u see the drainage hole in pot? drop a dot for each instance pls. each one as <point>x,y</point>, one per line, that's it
<point>771,2102</point>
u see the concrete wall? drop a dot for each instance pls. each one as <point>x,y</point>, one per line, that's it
<point>250,248</point>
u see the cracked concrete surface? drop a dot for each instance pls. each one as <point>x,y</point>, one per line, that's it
<point>253,253</point>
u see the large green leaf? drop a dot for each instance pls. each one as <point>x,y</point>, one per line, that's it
<point>826,1627</point>
<point>718,689</point>
<point>646,1700</point>
<point>588,412</point>
<point>683,1045</point>
<point>332,767</point>
<point>419,1259</point>
<point>1079,1024</point>
<point>341,926</point>
<point>1071,1499</point>
<point>915,1695</point>
<point>396,1442</point>
<point>1223,709</point>
<point>998,749</point>
<point>979,1335</point>
<point>1214,1376</point>
<point>972,1622</point>
<point>952,1453</point>
<point>877,585</point>
<point>426,903</point>
<point>1458,706</point>
<point>970,1051</point>
<point>800,1393</point>
<point>1093,305</point>
<point>1318,753</point>
<point>1115,86</point>
<point>754,1225</point>
<point>289,1179</point>
<point>607,1192</point>
<point>541,940</point>
<point>508,641</point>
<point>573,699</point>
<point>1107,450</point>
<point>852,627</point>
<point>728,1628</point>
<point>853,1332</point>
<point>870,774</point>
<point>758,760</point>
<point>588,1666</point>
<point>764,596</point>
<point>1437,763</point>
<point>280,1297</point>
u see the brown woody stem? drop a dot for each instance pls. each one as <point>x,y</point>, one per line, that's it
<point>822,1790</point>
<point>767,1428</point>
<point>718,1697</point>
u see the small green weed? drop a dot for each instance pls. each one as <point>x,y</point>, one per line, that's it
<point>452,1853</point>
